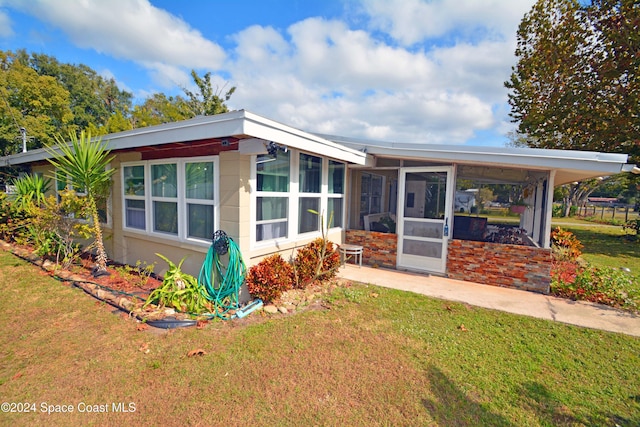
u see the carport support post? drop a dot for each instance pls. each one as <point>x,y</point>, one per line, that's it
<point>546,237</point>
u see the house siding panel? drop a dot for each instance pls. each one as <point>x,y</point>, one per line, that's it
<point>235,197</point>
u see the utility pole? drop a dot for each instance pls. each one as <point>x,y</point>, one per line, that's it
<point>23,131</point>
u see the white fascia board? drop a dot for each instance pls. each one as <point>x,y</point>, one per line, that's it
<point>206,127</point>
<point>234,123</point>
<point>586,163</point>
<point>269,130</point>
<point>21,158</point>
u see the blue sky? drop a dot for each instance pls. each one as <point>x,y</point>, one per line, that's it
<point>398,70</point>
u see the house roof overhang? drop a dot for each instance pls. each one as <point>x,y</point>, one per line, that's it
<point>239,125</point>
<point>569,165</point>
<point>256,131</point>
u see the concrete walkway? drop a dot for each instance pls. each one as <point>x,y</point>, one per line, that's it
<point>578,313</point>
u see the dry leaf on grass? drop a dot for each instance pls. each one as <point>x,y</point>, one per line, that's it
<point>16,376</point>
<point>142,327</point>
<point>462,328</point>
<point>374,295</point>
<point>200,324</point>
<point>196,352</point>
<point>144,348</point>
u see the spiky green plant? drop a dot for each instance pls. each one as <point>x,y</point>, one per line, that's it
<point>31,190</point>
<point>85,162</point>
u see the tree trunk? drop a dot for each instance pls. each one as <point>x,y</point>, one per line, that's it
<point>101,258</point>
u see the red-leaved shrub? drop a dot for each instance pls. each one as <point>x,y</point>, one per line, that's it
<point>270,278</point>
<point>565,245</point>
<point>318,260</point>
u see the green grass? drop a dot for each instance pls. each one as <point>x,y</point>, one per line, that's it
<point>605,245</point>
<point>374,356</point>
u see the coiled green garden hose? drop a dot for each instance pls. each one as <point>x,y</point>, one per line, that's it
<point>223,284</point>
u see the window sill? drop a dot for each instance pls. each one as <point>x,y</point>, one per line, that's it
<point>196,245</point>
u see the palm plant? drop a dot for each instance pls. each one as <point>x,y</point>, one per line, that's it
<point>85,163</point>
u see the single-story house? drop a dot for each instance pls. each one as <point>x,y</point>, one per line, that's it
<point>258,180</point>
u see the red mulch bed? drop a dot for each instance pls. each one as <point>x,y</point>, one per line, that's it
<point>128,281</point>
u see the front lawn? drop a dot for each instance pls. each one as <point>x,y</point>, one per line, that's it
<point>372,356</point>
<point>606,246</point>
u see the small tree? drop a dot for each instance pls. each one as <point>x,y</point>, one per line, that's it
<point>85,163</point>
<point>484,196</point>
<point>207,102</point>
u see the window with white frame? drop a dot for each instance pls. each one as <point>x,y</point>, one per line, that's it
<point>335,201</point>
<point>287,207</point>
<point>64,182</point>
<point>199,197</point>
<point>164,198</point>
<point>174,198</point>
<point>310,181</point>
<point>272,201</point>
<point>133,179</point>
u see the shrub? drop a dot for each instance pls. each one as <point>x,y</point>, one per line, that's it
<point>270,278</point>
<point>318,260</point>
<point>7,217</point>
<point>53,229</point>
<point>180,291</point>
<point>31,190</point>
<point>565,245</point>
<point>604,285</point>
<point>563,274</point>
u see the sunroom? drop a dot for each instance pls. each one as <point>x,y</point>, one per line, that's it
<point>425,208</point>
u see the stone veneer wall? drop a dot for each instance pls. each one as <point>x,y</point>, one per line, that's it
<point>379,248</point>
<point>521,267</point>
<point>515,266</point>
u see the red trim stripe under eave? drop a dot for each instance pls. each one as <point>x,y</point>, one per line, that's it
<point>207,147</point>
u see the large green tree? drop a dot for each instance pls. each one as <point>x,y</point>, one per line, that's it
<point>207,101</point>
<point>158,109</point>
<point>94,100</point>
<point>39,104</point>
<point>576,84</point>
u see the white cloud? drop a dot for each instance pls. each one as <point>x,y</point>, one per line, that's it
<point>331,53</point>
<point>411,70</point>
<point>480,69</point>
<point>260,45</point>
<point>413,21</point>
<point>5,25</point>
<point>332,79</point>
<point>132,30</point>
<point>168,75</point>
